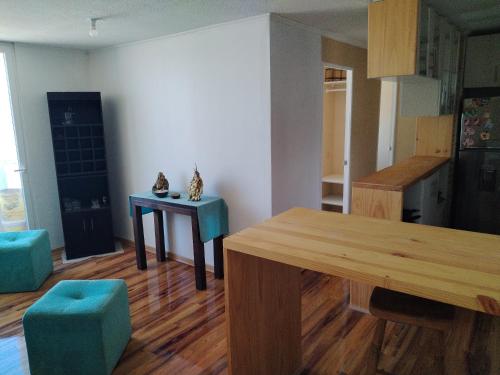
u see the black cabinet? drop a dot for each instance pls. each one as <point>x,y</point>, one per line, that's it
<point>477,191</point>
<point>75,230</point>
<point>100,231</point>
<point>88,232</point>
<point>80,157</point>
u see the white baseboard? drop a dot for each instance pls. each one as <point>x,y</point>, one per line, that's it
<point>170,255</point>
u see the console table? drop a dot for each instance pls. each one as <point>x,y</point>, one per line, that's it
<point>209,221</point>
<point>263,275</point>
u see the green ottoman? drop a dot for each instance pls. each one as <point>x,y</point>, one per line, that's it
<point>25,260</point>
<point>79,327</point>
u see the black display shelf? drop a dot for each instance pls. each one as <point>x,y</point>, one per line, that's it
<point>81,169</point>
<point>86,210</point>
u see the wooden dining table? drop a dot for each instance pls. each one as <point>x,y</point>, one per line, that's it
<point>263,266</point>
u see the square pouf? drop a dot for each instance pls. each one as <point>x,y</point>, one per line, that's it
<point>79,327</point>
<point>25,260</point>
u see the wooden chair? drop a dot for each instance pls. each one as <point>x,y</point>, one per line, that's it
<point>388,305</point>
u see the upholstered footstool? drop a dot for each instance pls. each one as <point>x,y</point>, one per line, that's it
<point>25,260</point>
<point>79,327</point>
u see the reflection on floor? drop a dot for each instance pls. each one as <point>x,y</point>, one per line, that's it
<point>180,331</point>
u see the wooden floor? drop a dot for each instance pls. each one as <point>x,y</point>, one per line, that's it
<point>177,330</point>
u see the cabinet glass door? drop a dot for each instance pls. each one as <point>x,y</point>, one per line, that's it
<point>433,45</point>
<point>423,39</point>
<point>454,62</point>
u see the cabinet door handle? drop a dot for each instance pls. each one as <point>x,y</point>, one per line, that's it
<point>84,226</point>
<point>92,224</point>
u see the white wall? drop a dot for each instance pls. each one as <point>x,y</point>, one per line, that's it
<point>40,69</point>
<point>296,115</point>
<point>387,122</point>
<point>198,97</point>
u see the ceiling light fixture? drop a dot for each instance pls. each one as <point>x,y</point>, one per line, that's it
<point>93,27</point>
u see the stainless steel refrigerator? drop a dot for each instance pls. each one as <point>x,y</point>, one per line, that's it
<point>477,183</point>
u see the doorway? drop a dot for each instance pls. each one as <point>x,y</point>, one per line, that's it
<point>337,105</point>
<point>13,212</point>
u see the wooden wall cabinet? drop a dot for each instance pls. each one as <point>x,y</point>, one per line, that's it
<point>392,38</point>
<point>408,39</point>
<point>482,61</point>
<point>434,136</point>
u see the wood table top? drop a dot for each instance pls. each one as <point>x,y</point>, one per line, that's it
<point>457,267</point>
<point>402,175</point>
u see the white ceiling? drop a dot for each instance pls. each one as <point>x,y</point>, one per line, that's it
<point>65,22</point>
<point>471,15</point>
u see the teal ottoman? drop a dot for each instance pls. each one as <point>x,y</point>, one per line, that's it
<point>25,260</point>
<point>79,327</point>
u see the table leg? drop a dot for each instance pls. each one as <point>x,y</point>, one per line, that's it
<point>218,258</point>
<point>359,296</point>
<point>459,351</point>
<point>199,254</point>
<point>263,315</point>
<point>159,236</point>
<point>140,248</point>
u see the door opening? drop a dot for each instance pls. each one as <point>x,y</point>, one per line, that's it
<point>337,105</point>
<point>13,213</point>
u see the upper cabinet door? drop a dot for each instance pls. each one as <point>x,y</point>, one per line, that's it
<point>392,38</point>
<point>482,61</point>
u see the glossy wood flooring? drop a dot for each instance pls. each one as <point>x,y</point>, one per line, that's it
<point>177,330</point>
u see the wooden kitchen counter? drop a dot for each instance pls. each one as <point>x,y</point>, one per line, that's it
<point>381,195</point>
<point>402,175</point>
<point>263,263</point>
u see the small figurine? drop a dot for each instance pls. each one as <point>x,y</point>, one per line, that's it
<point>161,182</point>
<point>195,187</point>
<point>160,188</point>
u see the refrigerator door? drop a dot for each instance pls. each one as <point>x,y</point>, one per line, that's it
<point>480,123</point>
<point>478,191</point>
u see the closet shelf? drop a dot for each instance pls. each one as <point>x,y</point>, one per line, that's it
<point>333,179</point>
<point>335,86</point>
<point>333,200</point>
<point>343,81</point>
